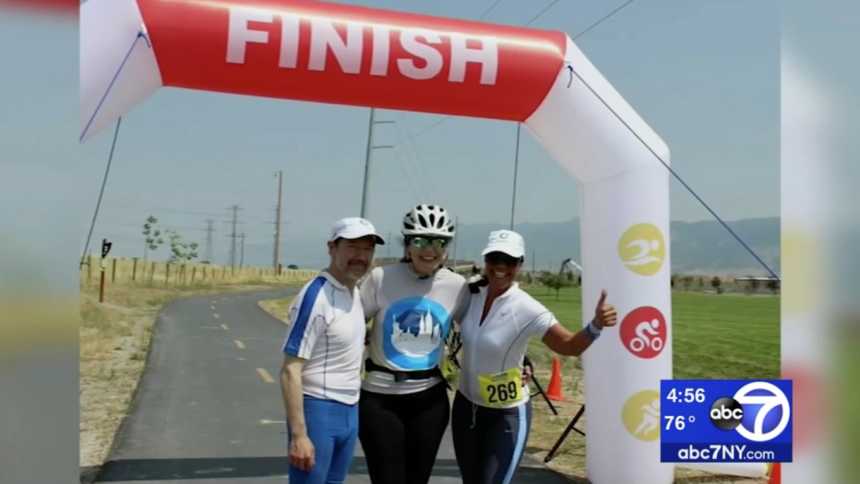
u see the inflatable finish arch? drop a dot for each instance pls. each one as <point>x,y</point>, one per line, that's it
<point>315,51</point>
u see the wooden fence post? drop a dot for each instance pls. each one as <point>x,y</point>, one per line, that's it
<point>166,274</point>
<point>102,280</point>
<point>113,270</point>
<point>134,269</point>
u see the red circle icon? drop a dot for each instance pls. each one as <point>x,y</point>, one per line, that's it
<point>643,332</point>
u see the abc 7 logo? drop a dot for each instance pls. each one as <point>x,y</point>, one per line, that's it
<point>727,413</point>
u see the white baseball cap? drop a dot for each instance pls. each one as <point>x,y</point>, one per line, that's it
<point>354,228</point>
<point>506,241</point>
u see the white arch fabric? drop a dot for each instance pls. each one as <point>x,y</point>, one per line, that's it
<point>303,49</point>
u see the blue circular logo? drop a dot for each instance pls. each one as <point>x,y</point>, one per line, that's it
<point>414,331</point>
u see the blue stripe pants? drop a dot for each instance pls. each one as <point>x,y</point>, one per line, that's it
<point>489,442</point>
<point>333,429</point>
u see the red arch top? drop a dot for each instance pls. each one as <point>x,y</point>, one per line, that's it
<point>316,51</point>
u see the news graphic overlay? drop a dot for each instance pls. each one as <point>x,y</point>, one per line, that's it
<point>725,421</point>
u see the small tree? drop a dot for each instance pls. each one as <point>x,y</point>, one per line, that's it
<point>716,283</point>
<point>181,251</point>
<point>554,281</point>
<point>151,235</point>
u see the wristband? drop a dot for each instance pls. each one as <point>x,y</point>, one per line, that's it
<point>592,331</point>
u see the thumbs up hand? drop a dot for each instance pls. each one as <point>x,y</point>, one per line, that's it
<point>604,314</point>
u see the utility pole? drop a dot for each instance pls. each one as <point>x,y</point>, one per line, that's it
<point>456,224</point>
<point>516,172</point>
<point>209,230</point>
<point>233,236</point>
<point>242,257</point>
<point>277,257</point>
<point>534,261</point>
<point>388,246</point>
<point>370,148</point>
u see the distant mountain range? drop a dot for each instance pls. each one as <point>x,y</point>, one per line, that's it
<point>697,247</point>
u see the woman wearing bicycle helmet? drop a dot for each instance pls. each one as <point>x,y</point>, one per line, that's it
<point>492,413</point>
<point>404,406</point>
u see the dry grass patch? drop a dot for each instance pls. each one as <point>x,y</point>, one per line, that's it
<point>276,307</point>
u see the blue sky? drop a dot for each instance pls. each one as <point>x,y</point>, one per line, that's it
<point>703,74</point>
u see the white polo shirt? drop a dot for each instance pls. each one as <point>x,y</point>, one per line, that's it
<point>326,328</point>
<point>497,346</point>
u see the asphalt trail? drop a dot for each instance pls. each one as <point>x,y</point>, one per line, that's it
<point>209,411</point>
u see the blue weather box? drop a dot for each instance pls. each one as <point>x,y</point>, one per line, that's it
<point>725,420</point>
<point>414,329</point>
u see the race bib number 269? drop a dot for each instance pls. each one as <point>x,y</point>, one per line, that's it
<point>498,390</point>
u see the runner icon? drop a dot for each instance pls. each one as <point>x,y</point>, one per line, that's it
<point>650,419</point>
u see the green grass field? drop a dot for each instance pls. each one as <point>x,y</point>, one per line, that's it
<point>715,336</point>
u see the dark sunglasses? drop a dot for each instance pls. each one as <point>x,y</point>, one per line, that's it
<point>424,242</point>
<point>500,258</point>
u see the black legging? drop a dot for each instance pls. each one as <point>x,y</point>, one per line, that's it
<point>489,442</point>
<point>400,434</point>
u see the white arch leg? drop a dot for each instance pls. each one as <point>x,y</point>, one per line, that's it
<point>624,194</point>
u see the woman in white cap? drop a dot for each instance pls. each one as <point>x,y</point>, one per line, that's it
<point>404,408</point>
<point>492,414</point>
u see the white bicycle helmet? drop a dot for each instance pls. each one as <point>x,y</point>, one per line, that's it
<point>428,220</point>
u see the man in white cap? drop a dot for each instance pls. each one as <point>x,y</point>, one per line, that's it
<point>321,374</point>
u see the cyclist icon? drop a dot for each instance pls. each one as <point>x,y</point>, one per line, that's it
<point>647,336</point>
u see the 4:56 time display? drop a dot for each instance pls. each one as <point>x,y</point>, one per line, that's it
<point>686,395</point>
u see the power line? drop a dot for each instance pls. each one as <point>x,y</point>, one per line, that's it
<point>423,189</point>
<point>185,212</point>
<point>602,19</point>
<point>543,11</point>
<point>675,174</point>
<point>489,9</point>
<point>102,191</point>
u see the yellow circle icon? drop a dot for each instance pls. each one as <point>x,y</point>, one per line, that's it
<point>641,415</point>
<point>642,248</point>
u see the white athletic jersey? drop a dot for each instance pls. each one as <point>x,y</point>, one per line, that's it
<point>412,316</point>
<point>499,344</point>
<point>327,328</point>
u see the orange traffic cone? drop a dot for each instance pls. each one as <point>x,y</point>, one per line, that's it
<point>553,392</point>
<point>775,474</point>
